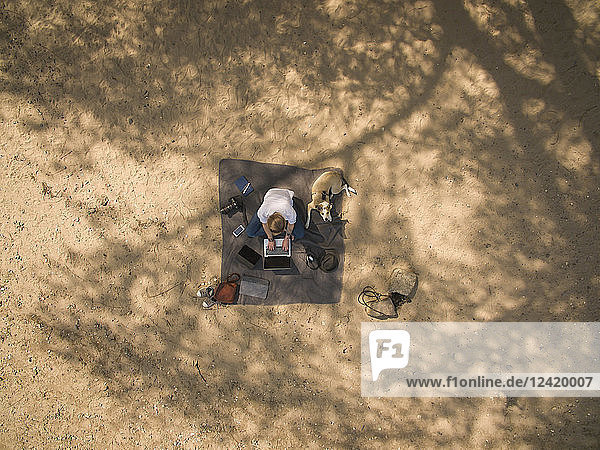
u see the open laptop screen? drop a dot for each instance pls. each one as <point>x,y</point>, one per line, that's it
<point>277,262</point>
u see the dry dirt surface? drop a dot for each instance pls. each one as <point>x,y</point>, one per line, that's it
<point>470,130</point>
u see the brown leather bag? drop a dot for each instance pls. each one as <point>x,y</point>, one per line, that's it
<point>227,290</point>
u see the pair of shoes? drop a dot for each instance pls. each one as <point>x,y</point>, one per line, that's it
<point>207,293</point>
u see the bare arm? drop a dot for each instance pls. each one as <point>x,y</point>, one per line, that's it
<point>288,236</point>
<point>271,244</point>
<point>290,228</point>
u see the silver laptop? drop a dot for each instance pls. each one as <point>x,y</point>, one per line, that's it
<point>277,259</point>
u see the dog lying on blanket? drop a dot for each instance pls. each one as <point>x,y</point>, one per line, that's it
<point>330,183</point>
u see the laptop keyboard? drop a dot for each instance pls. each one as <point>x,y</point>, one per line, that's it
<point>278,251</point>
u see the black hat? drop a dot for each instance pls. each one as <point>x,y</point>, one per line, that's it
<point>329,262</point>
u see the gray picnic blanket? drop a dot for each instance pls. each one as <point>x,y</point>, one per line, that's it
<point>300,284</point>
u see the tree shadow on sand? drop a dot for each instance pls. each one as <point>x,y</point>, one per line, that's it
<point>493,142</point>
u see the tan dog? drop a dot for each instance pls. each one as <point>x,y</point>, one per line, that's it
<point>330,183</point>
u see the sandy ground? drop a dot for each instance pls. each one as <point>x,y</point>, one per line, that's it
<point>470,130</point>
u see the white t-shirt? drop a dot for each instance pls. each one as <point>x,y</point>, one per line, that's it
<point>277,200</point>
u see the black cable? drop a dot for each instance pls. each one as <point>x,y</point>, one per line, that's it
<point>369,292</point>
<point>370,296</point>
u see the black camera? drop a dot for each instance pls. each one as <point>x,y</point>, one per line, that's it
<point>233,205</point>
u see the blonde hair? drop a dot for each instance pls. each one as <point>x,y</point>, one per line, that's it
<point>276,223</point>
